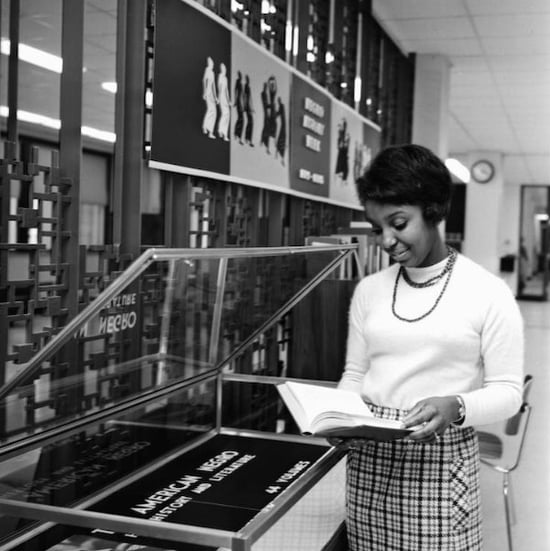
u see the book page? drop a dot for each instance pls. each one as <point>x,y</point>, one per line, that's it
<point>314,401</point>
<point>326,411</point>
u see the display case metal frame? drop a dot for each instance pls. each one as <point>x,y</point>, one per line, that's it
<point>344,255</point>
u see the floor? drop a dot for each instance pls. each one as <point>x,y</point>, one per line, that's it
<point>531,480</point>
<point>534,286</point>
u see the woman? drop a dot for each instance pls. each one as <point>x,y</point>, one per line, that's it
<point>436,341</point>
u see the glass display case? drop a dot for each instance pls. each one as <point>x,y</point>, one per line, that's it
<point>152,419</point>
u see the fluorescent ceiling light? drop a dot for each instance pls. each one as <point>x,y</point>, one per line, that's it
<point>456,168</point>
<point>33,118</point>
<point>109,87</point>
<point>49,122</point>
<point>288,36</point>
<point>37,57</point>
<point>112,87</point>
<point>357,89</point>
<point>102,135</point>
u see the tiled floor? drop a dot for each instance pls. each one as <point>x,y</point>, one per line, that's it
<point>531,480</point>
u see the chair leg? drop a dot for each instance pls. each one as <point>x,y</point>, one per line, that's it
<point>508,506</point>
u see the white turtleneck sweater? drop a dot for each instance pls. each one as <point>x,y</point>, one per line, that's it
<point>471,344</point>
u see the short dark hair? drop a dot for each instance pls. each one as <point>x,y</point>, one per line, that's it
<point>408,174</point>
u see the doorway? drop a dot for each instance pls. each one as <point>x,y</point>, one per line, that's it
<point>534,242</point>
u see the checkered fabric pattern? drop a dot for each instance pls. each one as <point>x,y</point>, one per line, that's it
<point>407,496</point>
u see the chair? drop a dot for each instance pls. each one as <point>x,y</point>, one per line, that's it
<point>500,448</point>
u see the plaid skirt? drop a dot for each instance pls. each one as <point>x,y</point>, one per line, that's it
<point>407,496</point>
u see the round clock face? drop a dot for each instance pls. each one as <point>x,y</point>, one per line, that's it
<point>482,171</point>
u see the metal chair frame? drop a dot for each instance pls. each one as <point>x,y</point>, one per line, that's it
<point>512,436</point>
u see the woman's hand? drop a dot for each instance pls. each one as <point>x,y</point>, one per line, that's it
<point>433,416</point>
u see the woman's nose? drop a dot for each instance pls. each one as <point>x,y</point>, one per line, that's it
<point>388,240</point>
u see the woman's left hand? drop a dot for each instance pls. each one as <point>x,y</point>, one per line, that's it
<point>433,416</point>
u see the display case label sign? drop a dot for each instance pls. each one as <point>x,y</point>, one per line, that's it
<point>221,484</point>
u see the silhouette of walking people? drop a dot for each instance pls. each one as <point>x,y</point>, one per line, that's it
<point>225,103</point>
<point>238,99</point>
<point>210,98</point>
<point>248,108</point>
<point>343,139</point>
<point>281,136</point>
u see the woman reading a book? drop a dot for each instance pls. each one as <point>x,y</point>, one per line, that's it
<point>436,341</point>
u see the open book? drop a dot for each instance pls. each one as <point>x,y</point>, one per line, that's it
<point>325,411</point>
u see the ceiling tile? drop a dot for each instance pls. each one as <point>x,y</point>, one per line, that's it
<point>391,9</point>
<point>495,7</point>
<point>514,46</point>
<point>517,25</point>
<point>443,28</point>
<point>477,63</point>
<point>458,47</point>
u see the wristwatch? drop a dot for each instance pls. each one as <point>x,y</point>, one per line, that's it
<point>461,411</point>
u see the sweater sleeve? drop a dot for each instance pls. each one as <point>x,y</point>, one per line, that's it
<point>502,344</point>
<point>356,350</point>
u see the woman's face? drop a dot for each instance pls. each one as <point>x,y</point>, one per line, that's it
<point>405,235</point>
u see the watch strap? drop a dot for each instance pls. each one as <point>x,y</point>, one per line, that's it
<point>461,411</point>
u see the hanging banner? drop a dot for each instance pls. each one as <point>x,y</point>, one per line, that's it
<point>226,108</point>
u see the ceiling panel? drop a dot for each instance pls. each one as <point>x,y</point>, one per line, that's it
<point>500,73</point>
<point>446,28</point>
<point>516,46</point>
<point>454,47</point>
<point>516,25</point>
<point>496,7</point>
<point>469,63</point>
<point>397,9</point>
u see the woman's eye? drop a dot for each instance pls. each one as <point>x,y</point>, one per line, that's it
<point>399,226</point>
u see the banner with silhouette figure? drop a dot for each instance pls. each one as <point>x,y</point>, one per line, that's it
<point>226,108</point>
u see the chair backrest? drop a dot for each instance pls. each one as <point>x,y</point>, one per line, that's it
<point>516,428</point>
<point>512,424</point>
<point>501,444</point>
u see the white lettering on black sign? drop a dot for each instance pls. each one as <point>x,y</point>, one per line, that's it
<point>164,502</point>
<point>309,176</point>
<point>287,477</point>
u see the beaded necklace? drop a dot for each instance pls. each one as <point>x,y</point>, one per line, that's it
<point>448,269</point>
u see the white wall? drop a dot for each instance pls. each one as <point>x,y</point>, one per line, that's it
<point>492,209</point>
<point>483,210</point>
<point>492,217</point>
<point>508,228</point>
<point>431,103</point>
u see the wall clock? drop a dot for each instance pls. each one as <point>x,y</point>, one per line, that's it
<point>482,171</point>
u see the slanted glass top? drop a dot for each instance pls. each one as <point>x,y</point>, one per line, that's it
<point>133,384</point>
<point>173,317</point>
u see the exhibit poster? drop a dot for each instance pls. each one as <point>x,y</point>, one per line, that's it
<point>226,108</point>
